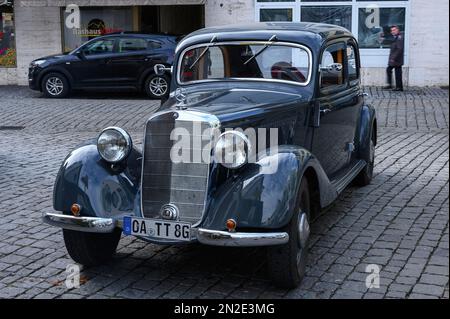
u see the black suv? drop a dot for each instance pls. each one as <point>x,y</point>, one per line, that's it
<point>124,61</point>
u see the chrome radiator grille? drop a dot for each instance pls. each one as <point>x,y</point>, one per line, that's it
<point>181,184</point>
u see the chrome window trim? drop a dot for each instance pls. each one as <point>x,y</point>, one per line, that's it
<point>282,43</point>
<point>214,123</point>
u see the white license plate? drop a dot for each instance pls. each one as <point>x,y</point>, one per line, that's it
<point>156,228</point>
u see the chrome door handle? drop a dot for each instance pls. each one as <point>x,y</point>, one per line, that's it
<point>363,94</point>
<point>325,111</point>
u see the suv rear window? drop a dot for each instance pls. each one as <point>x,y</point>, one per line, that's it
<point>132,44</point>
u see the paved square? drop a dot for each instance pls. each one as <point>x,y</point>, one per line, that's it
<point>399,223</point>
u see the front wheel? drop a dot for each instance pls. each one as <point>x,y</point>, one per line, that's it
<point>287,263</point>
<point>90,249</point>
<point>55,85</point>
<point>157,86</point>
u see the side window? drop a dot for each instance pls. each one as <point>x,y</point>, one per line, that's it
<point>352,65</point>
<point>99,47</point>
<point>332,67</point>
<point>132,45</point>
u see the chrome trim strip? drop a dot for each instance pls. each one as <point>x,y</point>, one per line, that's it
<point>183,115</point>
<point>239,239</point>
<point>84,224</point>
<point>289,44</point>
<point>345,180</point>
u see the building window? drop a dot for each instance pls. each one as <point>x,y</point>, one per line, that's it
<point>94,22</point>
<point>338,15</point>
<point>374,26</point>
<point>275,15</point>
<point>7,36</point>
<point>368,20</point>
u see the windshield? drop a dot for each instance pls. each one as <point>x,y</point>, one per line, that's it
<point>234,61</point>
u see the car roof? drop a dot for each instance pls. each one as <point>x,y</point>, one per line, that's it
<point>155,36</point>
<point>311,34</point>
<point>322,29</point>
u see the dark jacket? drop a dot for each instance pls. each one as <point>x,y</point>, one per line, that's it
<point>397,51</point>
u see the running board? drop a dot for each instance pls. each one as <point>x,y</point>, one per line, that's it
<point>341,183</point>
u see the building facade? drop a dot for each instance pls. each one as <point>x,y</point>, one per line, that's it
<point>31,29</point>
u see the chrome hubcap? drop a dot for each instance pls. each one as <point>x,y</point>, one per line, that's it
<point>54,86</point>
<point>158,86</point>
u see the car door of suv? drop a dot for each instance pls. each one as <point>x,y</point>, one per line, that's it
<point>92,69</point>
<point>131,60</point>
<point>333,139</point>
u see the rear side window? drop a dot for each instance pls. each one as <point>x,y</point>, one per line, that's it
<point>332,66</point>
<point>132,44</point>
<point>352,65</point>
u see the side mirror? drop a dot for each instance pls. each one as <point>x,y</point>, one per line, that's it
<point>331,67</point>
<point>80,55</point>
<point>160,69</point>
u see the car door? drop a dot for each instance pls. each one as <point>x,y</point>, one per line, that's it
<point>131,60</point>
<point>92,68</point>
<point>333,139</point>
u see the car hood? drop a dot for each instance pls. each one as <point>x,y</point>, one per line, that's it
<point>233,104</point>
<point>56,58</point>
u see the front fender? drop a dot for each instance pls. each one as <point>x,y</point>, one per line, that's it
<point>265,193</point>
<point>85,178</point>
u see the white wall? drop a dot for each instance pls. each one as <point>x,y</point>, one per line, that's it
<point>220,12</point>
<point>429,43</point>
<point>38,33</point>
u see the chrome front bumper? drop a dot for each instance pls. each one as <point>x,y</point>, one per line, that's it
<point>239,239</point>
<point>85,224</point>
<point>204,236</point>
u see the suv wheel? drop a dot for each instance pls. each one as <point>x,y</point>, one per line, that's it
<point>287,263</point>
<point>55,85</point>
<point>90,249</point>
<point>157,86</point>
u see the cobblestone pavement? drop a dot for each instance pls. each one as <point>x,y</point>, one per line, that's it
<point>399,222</point>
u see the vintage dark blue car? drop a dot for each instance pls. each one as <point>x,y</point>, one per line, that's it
<point>266,125</point>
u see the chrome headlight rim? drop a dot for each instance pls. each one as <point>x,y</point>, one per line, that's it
<point>127,138</point>
<point>247,146</point>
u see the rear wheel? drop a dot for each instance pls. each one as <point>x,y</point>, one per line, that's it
<point>91,249</point>
<point>287,263</point>
<point>365,176</point>
<point>157,86</point>
<point>55,85</point>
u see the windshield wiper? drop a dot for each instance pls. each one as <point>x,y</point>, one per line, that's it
<point>214,38</point>
<point>261,51</point>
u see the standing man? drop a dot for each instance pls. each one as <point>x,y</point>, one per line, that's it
<point>396,60</point>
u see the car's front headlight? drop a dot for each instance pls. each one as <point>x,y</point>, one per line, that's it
<point>232,149</point>
<point>114,144</point>
<point>37,62</point>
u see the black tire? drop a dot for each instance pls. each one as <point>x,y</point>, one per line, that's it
<point>364,177</point>
<point>91,249</point>
<point>157,86</point>
<point>287,263</point>
<point>55,85</point>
